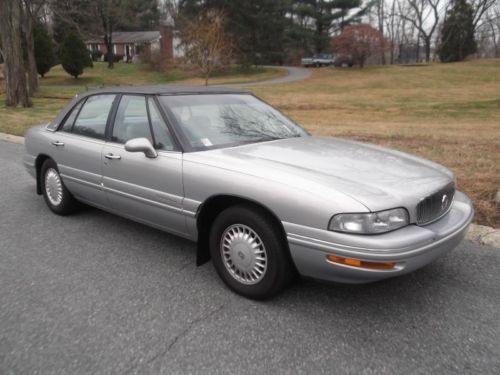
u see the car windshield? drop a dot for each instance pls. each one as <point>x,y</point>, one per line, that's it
<point>210,121</point>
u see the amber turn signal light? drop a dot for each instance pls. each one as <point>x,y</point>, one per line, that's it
<point>360,263</point>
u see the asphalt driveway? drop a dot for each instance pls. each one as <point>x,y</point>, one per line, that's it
<point>93,293</point>
<point>294,74</point>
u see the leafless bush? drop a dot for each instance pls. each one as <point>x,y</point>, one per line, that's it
<point>206,42</point>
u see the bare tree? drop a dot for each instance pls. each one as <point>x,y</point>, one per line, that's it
<point>480,8</point>
<point>381,23</point>
<point>108,15</point>
<point>94,17</point>
<point>424,16</point>
<point>206,41</point>
<point>30,14</point>
<point>14,70</point>
<point>393,24</point>
<point>169,9</point>
<point>69,14</point>
<point>490,29</point>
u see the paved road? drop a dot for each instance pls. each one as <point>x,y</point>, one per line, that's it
<point>293,74</point>
<point>93,293</point>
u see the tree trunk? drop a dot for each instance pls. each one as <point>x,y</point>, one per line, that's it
<point>362,61</point>
<point>111,54</point>
<point>30,45</point>
<point>495,42</point>
<point>417,57</point>
<point>14,70</point>
<point>427,49</point>
<point>381,17</point>
<point>206,71</point>
<point>108,41</point>
<point>111,57</point>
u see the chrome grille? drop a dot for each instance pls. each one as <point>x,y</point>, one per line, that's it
<point>436,205</point>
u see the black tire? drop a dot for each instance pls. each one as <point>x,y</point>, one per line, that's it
<point>279,271</point>
<point>67,204</point>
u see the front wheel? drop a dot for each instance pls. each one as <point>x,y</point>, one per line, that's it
<point>57,197</point>
<point>249,253</point>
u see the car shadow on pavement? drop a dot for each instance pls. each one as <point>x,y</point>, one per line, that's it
<point>416,291</point>
<point>421,295</point>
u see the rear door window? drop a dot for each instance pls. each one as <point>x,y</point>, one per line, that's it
<point>91,121</point>
<point>68,123</point>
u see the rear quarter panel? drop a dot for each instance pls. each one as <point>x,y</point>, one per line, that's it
<point>37,142</point>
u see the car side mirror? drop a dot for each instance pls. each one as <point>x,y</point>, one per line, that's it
<point>141,145</point>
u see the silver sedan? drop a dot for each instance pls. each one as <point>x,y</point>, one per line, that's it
<point>263,199</point>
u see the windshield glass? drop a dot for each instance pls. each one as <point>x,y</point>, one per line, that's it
<point>225,120</point>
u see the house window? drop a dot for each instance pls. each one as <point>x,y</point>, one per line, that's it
<point>114,49</point>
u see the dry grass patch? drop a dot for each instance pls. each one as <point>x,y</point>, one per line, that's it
<point>449,113</point>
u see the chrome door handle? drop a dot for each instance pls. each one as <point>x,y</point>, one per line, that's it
<point>111,156</point>
<point>57,143</point>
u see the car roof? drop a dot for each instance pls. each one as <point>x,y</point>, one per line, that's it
<point>145,90</point>
<point>164,89</point>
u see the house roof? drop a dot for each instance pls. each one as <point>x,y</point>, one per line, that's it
<point>129,37</point>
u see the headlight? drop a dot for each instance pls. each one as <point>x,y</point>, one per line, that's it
<point>371,222</point>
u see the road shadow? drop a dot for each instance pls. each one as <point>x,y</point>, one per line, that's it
<point>419,291</point>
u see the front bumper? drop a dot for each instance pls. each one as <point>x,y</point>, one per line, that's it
<point>410,248</point>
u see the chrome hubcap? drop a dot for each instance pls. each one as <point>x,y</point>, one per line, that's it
<point>53,187</point>
<point>243,254</point>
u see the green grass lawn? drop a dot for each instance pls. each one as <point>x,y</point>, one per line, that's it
<point>449,113</point>
<point>138,74</point>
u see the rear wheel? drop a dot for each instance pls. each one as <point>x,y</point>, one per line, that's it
<point>249,253</point>
<point>57,197</point>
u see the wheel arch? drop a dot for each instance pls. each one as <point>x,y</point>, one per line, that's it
<point>40,159</point>
<point>212,207</point>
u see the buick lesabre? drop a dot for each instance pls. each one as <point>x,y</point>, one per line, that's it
<point>263,199</point>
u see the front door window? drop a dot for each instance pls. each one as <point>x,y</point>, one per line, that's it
<point>131,120</point>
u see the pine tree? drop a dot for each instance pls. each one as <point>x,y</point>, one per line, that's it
<point>263,30</point>
<point>327,15</point>
<point>44,49</point>
<point>257,27</point>
<point>457,34</point>
<point>74,56</point>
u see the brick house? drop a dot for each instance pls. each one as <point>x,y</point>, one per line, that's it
<point>131,43</point>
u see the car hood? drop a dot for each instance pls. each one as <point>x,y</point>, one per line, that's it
<point>376,177</point>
